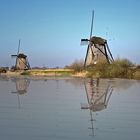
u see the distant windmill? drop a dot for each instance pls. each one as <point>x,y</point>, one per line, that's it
<point>97,50</point>
<point>21,60</point>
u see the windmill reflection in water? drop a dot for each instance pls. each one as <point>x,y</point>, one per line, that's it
<point>98,93</point>
<point>22,85</point>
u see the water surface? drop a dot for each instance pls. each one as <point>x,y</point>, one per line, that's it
<point>69,109</point>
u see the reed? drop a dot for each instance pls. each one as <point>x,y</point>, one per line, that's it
<point>120,68</point>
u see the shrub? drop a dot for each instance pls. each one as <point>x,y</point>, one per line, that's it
<point>120,68</point>
<point>77,66</point>
<point>123,62</point>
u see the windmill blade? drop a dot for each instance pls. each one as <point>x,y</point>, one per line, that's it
<point>84,42</point>
<point>87,54</point>
<point>17,53</point>
<point>18,47</point>
<point>13,56</point>
<point>92,24</point>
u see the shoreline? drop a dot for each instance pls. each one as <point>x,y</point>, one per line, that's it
<point>45,73</point>
<point>58,73</point>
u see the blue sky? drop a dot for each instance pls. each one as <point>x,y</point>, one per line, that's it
<point>50,30</point>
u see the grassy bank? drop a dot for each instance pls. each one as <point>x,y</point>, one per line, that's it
<point>49,72</point>
<point>120,68</point>
<point>95,72</point>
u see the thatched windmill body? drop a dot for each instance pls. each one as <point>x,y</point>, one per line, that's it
<point>97,49</point>
<point>21,60</point>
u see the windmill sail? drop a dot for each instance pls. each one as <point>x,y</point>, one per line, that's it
<point>90,54</point>
<point>92,20</point>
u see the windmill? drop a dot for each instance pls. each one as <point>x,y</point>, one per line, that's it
<point>97,49</point>
<point>21,60</point>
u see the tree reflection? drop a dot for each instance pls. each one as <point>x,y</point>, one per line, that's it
<point>98,93</point>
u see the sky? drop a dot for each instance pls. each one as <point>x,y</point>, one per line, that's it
<point>50,30</point>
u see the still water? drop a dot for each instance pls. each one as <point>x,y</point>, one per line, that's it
<point>69,109</point>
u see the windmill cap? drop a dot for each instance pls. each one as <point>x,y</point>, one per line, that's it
<point>98,40</point>
<point>21,55</point>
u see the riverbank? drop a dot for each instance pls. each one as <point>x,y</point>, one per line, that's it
<point>65,73</point>
<point>41,72</point>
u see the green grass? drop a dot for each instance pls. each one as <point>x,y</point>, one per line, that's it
<point>53,72</point>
